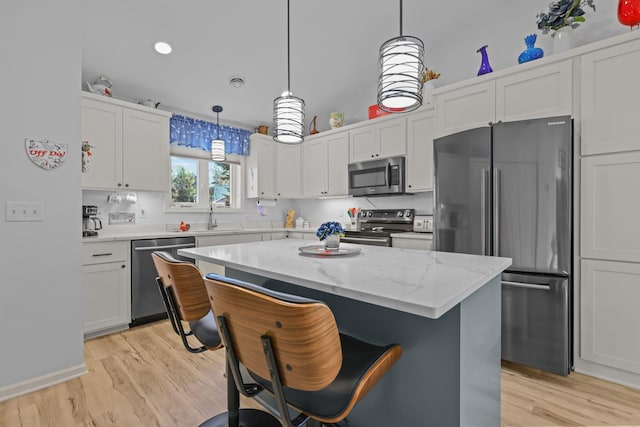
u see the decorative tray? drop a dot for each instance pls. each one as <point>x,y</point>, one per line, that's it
<point>319,250</point>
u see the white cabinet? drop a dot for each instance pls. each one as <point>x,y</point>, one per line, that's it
<point>106,281</point>
<point>288,171</point>
<point>420,131</point>
<point>260,167</point>
<point>544,91</point>
<point>609,93</point>
<point>325,165</point>
<point>539,91</point>
<point>130,145</point>
<point>465,108</point>
<point>610,206</point>
<point>423,243</point>
<point>610,323</point>
<point>379,139</point>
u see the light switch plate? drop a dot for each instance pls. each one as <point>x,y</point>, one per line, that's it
<point>23,211</point>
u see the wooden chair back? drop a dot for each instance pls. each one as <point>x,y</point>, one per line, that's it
<point>303,332</point>
<point>186,283</point>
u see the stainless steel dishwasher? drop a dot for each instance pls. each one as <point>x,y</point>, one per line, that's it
<point>146,302</point>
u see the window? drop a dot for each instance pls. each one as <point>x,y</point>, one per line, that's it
<point>197,184</point>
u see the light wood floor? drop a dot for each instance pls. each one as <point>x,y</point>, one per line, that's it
<point>144,377</point>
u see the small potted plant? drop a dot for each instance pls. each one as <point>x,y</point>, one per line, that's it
<point>428,76</point>
<point>563,13</point>
<point>330,232</point>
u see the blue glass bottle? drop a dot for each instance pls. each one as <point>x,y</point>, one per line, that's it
<point>484,66</point>
<point>531,52</point>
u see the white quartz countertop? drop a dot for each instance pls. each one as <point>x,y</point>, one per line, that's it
<point>137,234</point>
<point>420,282</point>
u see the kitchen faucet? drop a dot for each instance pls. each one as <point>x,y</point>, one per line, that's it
<point>212,221</point>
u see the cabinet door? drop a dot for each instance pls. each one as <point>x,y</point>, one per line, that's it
<point>540,92</point>
<point>146,151</point>
<point>338,164</point>
<point>392,137</point>
<point>609,324</point>
<point>465,108</point>
<point>102,127</point>
<point>261,167</point>
<point>610,206</point>
<point>315,170</point>
<point>288,171</point>
<point>363,144</point>
<point>107,296</point>
<point>609,94</point>
<point>420,131</point>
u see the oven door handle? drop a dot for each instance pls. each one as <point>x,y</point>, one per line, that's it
<point>156,248</point>
<point>364,239</point>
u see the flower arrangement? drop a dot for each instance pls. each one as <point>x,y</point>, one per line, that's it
<point>428,74</point>
<point>86,148</point>
<point>329,228</point>
<point>563,13</point>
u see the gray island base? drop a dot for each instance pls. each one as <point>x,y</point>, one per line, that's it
<point>449,373</point>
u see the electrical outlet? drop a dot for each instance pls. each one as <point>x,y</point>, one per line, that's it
<point>23,211</point>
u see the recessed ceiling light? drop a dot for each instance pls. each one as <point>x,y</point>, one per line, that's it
<point>163,48</point>
<point>236,82</point>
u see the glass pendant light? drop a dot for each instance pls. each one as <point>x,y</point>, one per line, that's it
<point>217,145</point>
<point>288,110</point>
<point>400,64</point>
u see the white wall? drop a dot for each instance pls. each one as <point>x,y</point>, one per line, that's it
<point>40,291</point>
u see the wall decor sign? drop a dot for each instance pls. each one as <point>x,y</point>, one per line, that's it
<point>46,154</point>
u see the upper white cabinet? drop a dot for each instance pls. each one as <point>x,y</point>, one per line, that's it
<point>610,90</point>
<point>260,167</point>
<point>465,108</point>
<point>325,162</point>
<point>288,171</point>
<point>130,145</point>
<point>610,206</point>
<point>420,132</point>
<point>377,140</point>
<point>540,92</point>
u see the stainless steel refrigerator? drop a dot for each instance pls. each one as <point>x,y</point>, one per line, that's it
<point>506,190</point>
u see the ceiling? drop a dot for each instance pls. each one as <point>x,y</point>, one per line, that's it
<point>334,47</point>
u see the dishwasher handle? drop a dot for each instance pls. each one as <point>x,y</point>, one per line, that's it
<point>526,285</point>
<point>157,248</point>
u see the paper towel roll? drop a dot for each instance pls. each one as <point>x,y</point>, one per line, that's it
<point>266,203</point>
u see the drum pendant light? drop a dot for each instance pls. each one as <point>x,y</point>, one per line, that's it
<point>217,145</point>
<point>400,66</point>
<point>288,110</point>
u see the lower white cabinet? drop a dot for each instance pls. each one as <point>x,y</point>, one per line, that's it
<point>610,325</point>
<point>425,243</point>
<point>106,281</point>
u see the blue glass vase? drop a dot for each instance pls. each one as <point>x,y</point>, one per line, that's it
<point>484,66</point>
<point>531,52</point>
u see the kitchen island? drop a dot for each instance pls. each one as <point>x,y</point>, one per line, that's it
<point>443,308</point>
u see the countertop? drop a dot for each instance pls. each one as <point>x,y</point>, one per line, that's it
<point>420,282</point>
<point>157,234</point>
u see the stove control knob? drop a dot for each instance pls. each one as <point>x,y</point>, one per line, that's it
<point>369,214</point>
<point>399,214</point>
<point>407,213</point>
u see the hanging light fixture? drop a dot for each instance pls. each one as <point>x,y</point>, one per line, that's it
<point>217,145</point>
<point>400,64</point>
<point>288,110</point>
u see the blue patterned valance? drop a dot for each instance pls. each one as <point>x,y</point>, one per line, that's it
<point>194,133</point>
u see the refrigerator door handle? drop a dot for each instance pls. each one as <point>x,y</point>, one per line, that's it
<point>496,211</point>
<point>526,285</point>
<point>483,210</point>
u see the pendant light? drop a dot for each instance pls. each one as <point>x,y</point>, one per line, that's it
<point>400,64</point>
<point>288,110</point>
<point>217,145</point>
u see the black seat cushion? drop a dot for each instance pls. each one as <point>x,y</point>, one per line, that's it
<point>357,358</point>
<point>206,331</point>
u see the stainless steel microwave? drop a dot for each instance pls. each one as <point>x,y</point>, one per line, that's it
<point>377,177</point>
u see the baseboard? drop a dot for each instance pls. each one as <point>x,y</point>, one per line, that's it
<point>24,387</point>
<point>618,376</point>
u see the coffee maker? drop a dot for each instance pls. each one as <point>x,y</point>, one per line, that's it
<point>90,223</point>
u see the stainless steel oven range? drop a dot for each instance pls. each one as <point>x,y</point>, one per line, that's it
<point>377,225</point>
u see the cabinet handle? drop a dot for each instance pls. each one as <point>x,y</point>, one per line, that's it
<point>119,184</point>
<point>409,186</point>
<point>126,185</point>
<point>373,155</point>
<point>123,266</point>
<point>105,254</point>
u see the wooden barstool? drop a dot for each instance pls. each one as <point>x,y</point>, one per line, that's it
<point>291,347</point>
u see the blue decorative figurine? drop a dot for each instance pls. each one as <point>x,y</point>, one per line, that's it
<point>531,52</point>
<point>484,66</point>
